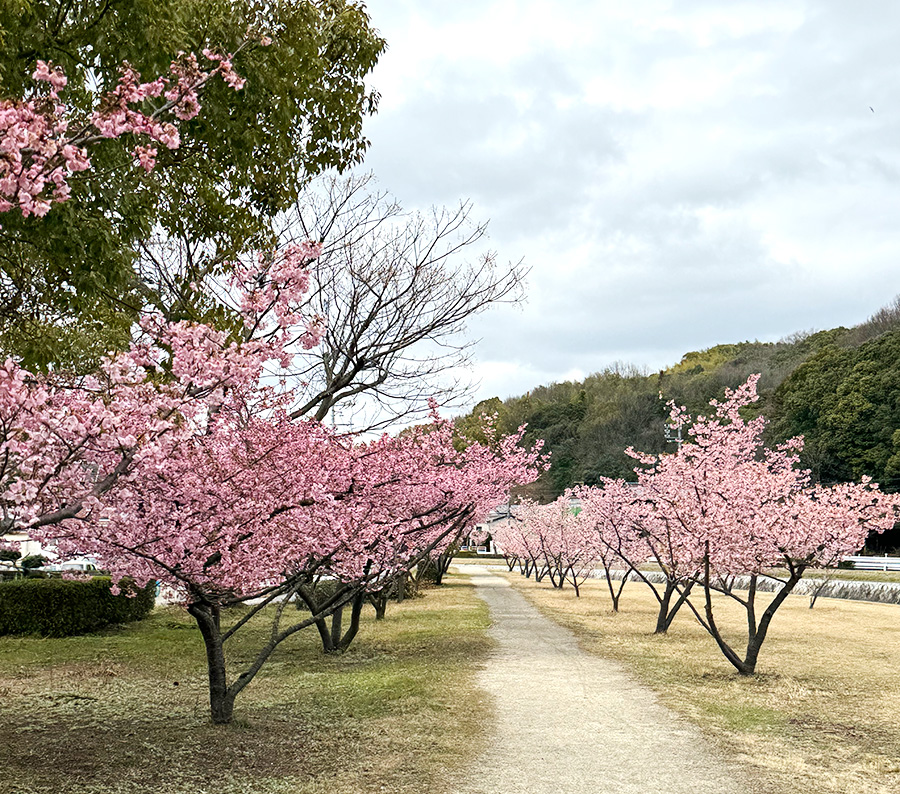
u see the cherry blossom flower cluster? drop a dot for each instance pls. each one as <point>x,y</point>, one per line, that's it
<point>39,149</point>
<point>64,441</point>
<point>257,498</point>
<point>35,153</point>
<point>271,293</point>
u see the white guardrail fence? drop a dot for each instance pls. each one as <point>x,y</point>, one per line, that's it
<point>869,563</point>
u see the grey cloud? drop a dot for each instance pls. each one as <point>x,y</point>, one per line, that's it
<point>607,203</point>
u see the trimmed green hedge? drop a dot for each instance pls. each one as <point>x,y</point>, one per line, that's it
<point>63,607</point>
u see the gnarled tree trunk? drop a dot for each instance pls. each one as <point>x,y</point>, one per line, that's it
<point>221,699</point>
<point>331,630</point>
<point>668,611</point>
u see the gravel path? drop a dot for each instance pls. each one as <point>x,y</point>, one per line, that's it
<point>571,722</point>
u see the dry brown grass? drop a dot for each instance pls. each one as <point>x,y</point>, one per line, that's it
<point>822,713</point>
<point>125,711</point>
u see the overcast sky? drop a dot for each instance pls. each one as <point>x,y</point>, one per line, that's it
<point>676,174</point>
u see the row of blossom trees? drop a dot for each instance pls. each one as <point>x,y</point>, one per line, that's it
<point>187,458</point>
<point>180,462</point>
<point>723,511</point>
<point>548,541</point>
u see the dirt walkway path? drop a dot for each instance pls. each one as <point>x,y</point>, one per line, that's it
<point>571,722</point>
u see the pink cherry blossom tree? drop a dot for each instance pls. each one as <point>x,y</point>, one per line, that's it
<point>730,507</point>
<point>610,522</point>
<point>631,528</point>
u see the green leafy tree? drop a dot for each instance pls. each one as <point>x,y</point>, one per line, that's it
<point>470,427</point>
<point>72,283</point>
<point>846,403</point>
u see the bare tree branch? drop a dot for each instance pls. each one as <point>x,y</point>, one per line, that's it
<point>396,289</point>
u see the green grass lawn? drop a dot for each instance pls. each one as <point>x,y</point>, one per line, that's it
<point>126,710</point>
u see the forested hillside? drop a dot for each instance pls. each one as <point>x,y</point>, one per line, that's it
<point>840,388</point>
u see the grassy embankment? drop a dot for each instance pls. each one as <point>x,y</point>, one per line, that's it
<point>859,576</point>
<point>126,710</point>
<point>822,713</point>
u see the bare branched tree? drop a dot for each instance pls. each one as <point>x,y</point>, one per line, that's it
<point>396,289</point>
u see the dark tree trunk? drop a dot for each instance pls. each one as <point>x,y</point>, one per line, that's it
<point>713,629</point>
<point>552,573</point>
<point>819,588</point>
<point>401,586</point>
<point>343,642</point>
<point>421,572</point>
<point>221,701</point>
<point>324,635</point>
<point>560,575</point>
<point>443,565</point>
<point>334,638</point>
<point>337,618</point>
<point>615,593</point>
<point>756,631</point>
<point>380,600</point>
<point>207,615</point>
<point>575,582</point>
<point>667,612</point>
<point>756,638</point>
<point>662,617</point>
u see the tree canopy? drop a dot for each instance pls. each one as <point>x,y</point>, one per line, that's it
<point>72,283</point>
<point>846,403</point>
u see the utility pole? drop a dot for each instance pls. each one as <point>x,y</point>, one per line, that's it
<point>673,434</point>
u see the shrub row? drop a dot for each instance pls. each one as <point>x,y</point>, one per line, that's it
<point>62,607</point>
